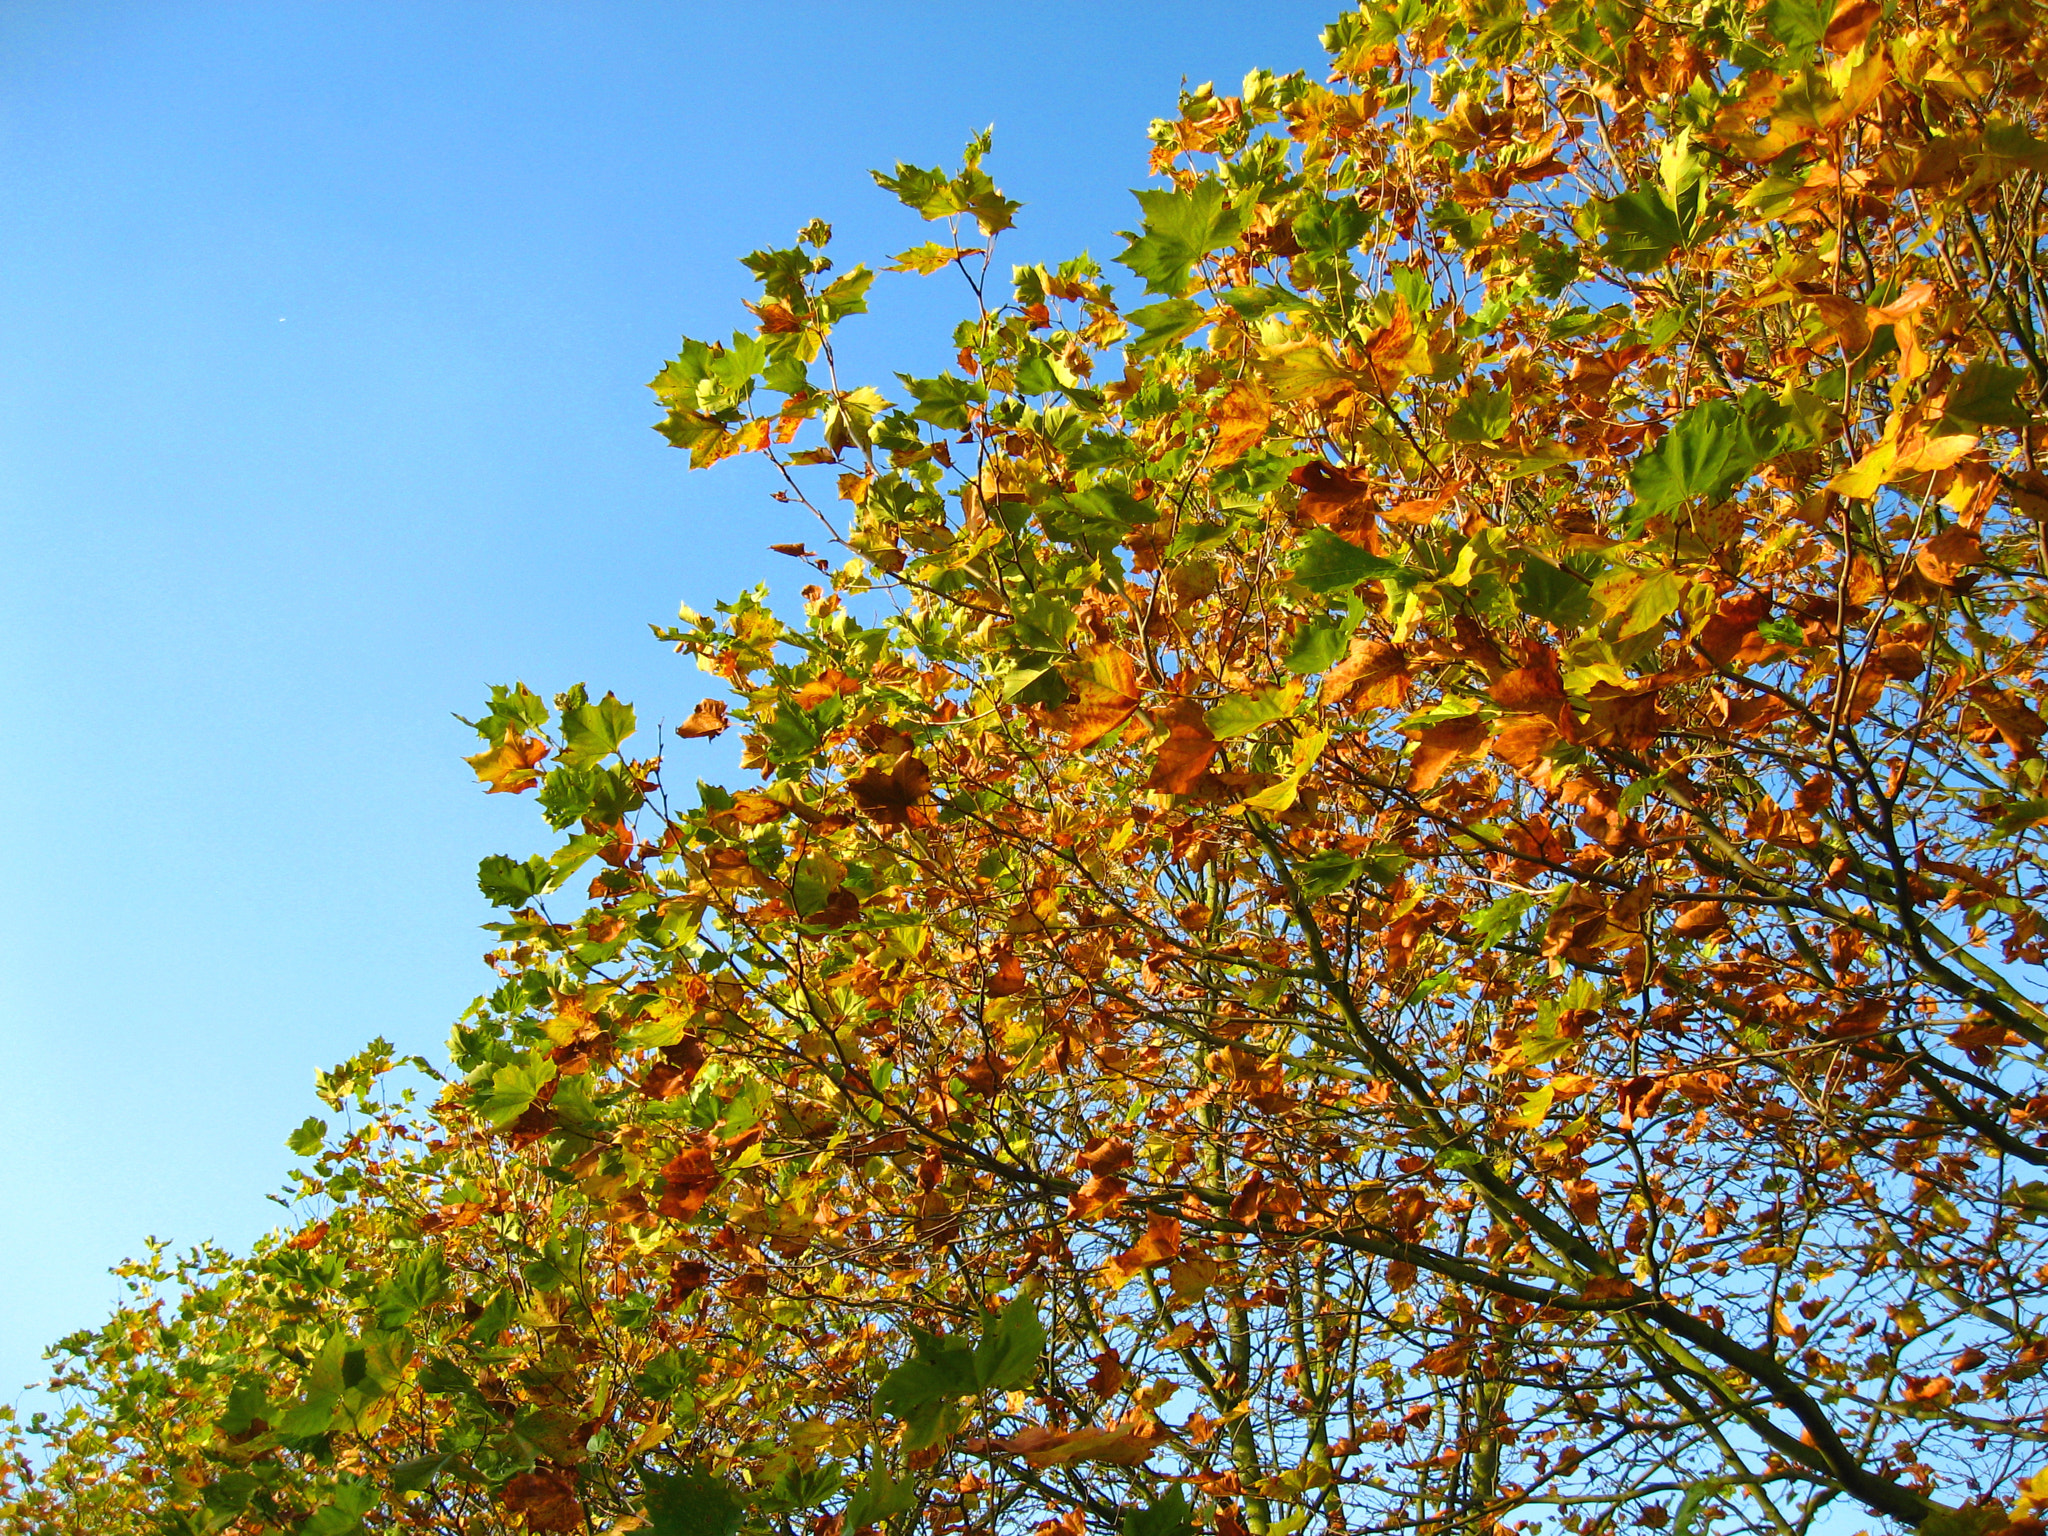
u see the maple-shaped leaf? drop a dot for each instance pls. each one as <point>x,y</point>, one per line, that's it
<point>1103,693</point>
<point>546,1499</point>
<point>1180,228</point>
<point>707,719</point>
<point>1189,747</point>
<point>1711,450</point>
<point>1242,418</point>
<point>1159,1245</point>
<point>890,796</point>
<point>509,766</point>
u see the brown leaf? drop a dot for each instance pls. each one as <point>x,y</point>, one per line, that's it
<point>1639,1097</point>
<point>1104,1155</point>
<point>1109,1373</point>
<point>707,719</point>
<point>1009,978</point>
<point>1521,741</point>
<point>1582,1198</point>
<point>888,797</point>
<point>2010,717</point>
<point>1850,24</point>
<point>1535,686</point>
<point>1699,918</point>
<point>1449,1360</point>
<point>546,1499</point>
<point>1337,499</point>
<point>1159,1245</point>
<point>1187,751</point>
<point>689,1178</point>
<point>751,808</point>
<point>1099,1195</point>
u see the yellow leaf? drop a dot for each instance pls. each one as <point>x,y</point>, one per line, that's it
<point>1534,1107</point>
<point>1281,797</point>
<point>509,766</point>
<point>1862,478</point>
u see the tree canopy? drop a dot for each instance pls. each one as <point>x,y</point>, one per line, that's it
<point>1392,878</point>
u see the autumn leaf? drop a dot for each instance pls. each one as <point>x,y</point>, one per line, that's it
<point>1127,1443</point>
<point>1241,418</point>
<point>1186,753</point>
<point>1103,693</point>
<point>545,1500</point>
<point>1439,747</point>
<point>707,719</point>
<point>1159,1245</point>
<point>509,766</point>
<point>891,796</point>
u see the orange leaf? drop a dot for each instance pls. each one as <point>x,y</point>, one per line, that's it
<point>1105,693</point>
<point>1185,754</point>
<point>1123,1444</point>
<point>1159,1245</point>
<point>508,767</point>
<point>1241,417</point>
<point>1439,746</point>
<point>707,719</point>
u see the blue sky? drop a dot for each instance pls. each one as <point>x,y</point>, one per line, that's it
<point>324,331</point>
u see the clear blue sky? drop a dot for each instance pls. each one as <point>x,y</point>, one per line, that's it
<point>323,336</point>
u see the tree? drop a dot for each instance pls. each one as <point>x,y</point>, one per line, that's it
<point>1398,888</point>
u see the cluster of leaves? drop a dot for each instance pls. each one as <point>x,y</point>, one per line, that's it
<point>1398,888</point>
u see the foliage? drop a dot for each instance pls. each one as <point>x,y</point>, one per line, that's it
<point>1399,887</point>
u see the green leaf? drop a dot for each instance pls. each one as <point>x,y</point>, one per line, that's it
<point>1011,1343</point>
<point>1650,604</point>
<point>1315,649</point>
<point>1241,714</point>
<point>1711,450</point>
<point>309,1137</point>
<point>1988,395</point>
<point>506,884</point>
<point>691,1504</point>
<point>1163,324</point>
<point>941,1369</point>
<point>945,400</point>
<point>1481,417</point>
<point>1797,25</point>
<point>1696,1494</point>
<point>512,1090</point>
<point>1544,591</point>
<point>1326,872</point>
<point>1642,229</point>
<point>927,258</point>
<point>591,732</point>
<point>877,1499</point>
<point>1180,229</point>
<point>1501,919</point>
<point>417,1474</point>
<point>1168,1515</point>
<point>1326,563</point>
